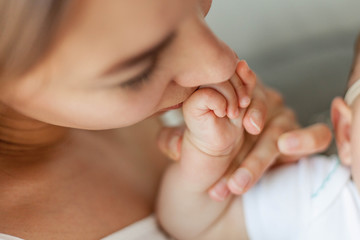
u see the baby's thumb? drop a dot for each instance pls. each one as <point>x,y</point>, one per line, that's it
<point>169,141</point>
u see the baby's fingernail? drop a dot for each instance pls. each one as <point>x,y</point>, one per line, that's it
<point>239,181</point>
<point>220,191</point>
<point>288,142</point>
<point>255,119</point>
<point>246,65</point>
<point>244,102</point>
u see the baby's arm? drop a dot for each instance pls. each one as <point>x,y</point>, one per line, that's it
<point>213,137</point>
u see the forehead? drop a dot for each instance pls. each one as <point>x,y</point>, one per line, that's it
<point>128,22</point>
<point>114,28</point>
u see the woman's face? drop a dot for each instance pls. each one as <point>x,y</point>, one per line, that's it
<point>116,63</point>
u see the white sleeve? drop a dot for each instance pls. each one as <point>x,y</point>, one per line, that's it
<point>279,206</point>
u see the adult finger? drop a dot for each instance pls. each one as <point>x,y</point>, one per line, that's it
<point>306,141</point>
<point>255,115</point>
<point>262,156</point>
<point>247,75</point>
<point>241,92</point>
<point>169,141</point>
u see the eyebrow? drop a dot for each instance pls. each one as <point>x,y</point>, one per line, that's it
<point>142,56</point>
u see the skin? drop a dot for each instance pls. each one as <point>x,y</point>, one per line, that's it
<point>183,200</point>
<point>62,181</point>
<point>212,138</point>
<point>87,86</point>
<point>346,121</point>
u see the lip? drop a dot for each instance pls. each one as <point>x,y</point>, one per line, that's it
<point>179,105</point>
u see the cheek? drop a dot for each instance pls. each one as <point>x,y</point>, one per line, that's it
<point>77,104</point>
<point>174,94</point>
<point>109,108</point>
<point>87,109</point>
<point>355,150</point>
<point>354,135</point>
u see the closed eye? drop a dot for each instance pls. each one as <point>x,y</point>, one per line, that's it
<point>135,83</point>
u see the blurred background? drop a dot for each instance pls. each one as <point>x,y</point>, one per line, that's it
<point>302,48</point>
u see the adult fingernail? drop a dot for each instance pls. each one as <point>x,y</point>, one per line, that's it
<point>239,181</point>
<point>220,191</point>
<point>288,143</point>
<point>255,119</point>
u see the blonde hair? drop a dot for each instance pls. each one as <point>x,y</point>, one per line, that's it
<point>27,29</point>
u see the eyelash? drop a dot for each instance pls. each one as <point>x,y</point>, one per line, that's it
<point>137,82</point>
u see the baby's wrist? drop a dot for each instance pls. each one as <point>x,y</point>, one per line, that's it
<point>210,151</point>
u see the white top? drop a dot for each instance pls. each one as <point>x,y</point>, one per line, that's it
<point>146,228</point>
<point>313,199</point>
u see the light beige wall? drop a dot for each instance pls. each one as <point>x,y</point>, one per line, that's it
<point>252,26</point>
<point>303,48</point>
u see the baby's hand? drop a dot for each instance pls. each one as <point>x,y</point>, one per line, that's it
<point>213,114</point>
<point>212,138</point>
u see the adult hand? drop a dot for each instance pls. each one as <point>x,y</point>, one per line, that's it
<point>275,137</point>
<point>280,141</point>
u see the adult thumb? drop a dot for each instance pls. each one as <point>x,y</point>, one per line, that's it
<point>169,141</point>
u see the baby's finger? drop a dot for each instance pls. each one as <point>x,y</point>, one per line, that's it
<point>203,101</point>
<point>228,92</point>
<point>169,141</point>
<point>255,115</point>
<point>240,89</point>
<point>303,142</point>
<point>247,76</point>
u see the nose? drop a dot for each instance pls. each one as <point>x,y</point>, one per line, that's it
<point>202,58</point>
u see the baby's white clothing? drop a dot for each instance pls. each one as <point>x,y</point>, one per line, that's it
<point>312,199</point>
<point>146,228</point>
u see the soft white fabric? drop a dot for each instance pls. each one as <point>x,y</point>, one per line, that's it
<point>146,228</point>
<point>8,237</point>
<point>313,199</point>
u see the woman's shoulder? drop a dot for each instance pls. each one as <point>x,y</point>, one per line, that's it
<point>146,228</point>
<point>96,178</point>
